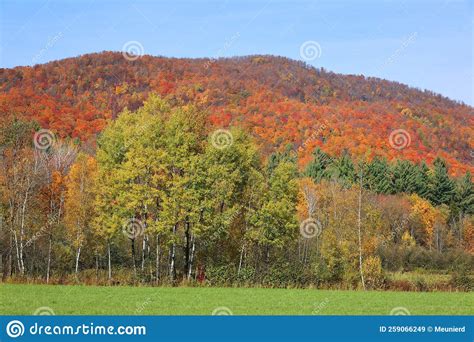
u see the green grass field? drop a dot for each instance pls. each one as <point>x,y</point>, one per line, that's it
<point>83,300</point>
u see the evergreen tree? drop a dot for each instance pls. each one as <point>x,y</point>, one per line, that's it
<point>317,169</point>
<point>343,170</point>
<point>276,158</point>
<point>442,187</point>
<point>465,195</point>
<point>404,177</point>
<point>422,180</point>
<point>378,176</point>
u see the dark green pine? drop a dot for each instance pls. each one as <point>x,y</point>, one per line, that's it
<point>317,169</point>
<point>465,195</point>
<point>442,186</point>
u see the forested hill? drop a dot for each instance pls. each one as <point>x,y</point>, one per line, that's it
<point>279,100</point>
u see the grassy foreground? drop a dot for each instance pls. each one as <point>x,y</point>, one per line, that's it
<point>16,299</point>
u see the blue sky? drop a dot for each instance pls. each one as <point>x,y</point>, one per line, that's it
<point>424,43</point>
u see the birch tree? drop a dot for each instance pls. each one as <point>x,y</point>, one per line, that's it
<point>79,202</point>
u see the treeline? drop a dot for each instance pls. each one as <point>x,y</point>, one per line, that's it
<point>275,99</point>
<point>401,177</point>
<point>164,198</point>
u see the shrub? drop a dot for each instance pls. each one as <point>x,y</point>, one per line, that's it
<point>461,280</point>
<point>373,273</point>
<point>245,276</point>
<point>220,275</point>
<point>399,285</point>
<point>421,285</point>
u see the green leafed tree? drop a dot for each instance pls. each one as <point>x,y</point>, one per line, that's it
<point>132,168</point>
<point>274,221</point>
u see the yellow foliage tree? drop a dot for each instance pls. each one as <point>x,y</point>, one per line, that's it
<point>425,213</point>
<point>79,202</point>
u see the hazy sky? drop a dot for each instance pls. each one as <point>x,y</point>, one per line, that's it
<point>426,44</point>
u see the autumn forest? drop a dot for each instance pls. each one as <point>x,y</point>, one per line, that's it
<point>245,171</point>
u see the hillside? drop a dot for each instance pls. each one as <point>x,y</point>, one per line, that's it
<point>279,100</point>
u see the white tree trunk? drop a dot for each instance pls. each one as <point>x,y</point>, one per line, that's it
<point>22,233</point>
<point>17,251</point>
<point>173,255</point>
<point>241,260</point>
<point>157,258</point>
<point>49,259</point>
<point>78,254</point>
<point>191,259</point>
<point>144,248</point>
